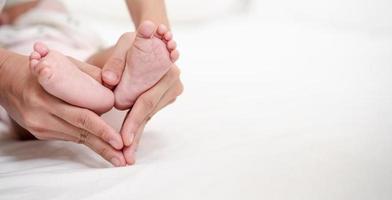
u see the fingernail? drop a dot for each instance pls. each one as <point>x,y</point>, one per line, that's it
<point>131,136</point>
<point>115,162</point>
<point>131,159</point>
<point>110,76</point>
<point>114,144</point>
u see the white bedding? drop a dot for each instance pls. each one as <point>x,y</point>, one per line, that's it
<point>273,109</point>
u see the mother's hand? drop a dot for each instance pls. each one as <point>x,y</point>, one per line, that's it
<point>49,118</point>
<point>150,102</point>
<point>146,106</point>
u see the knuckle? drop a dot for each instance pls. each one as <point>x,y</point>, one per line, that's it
<point>104,152</point>
<point>82,120</point>
<point>102,133</point>
<point>33,101</point>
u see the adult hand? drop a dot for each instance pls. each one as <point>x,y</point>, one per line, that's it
<point>150,102</point>
<point>49,118</point>
<point>146,106</point>
<point>115,64</point>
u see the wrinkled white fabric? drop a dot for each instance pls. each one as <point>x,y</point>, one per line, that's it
<point>59,30</point>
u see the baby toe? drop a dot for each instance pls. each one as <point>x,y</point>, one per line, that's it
<point>168,36</point>
<point>162,29</point>
<point>171,45</point>
<point>35,56</point>
<point>41,48</point>
<point>174,55</point>
<point>146,29</point>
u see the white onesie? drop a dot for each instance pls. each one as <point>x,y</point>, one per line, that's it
<point>57,29</point>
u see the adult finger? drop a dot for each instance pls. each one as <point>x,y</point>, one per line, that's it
<point>129,151</point>
<point>146,104</point>
<point>112,70</point>
<point>78,135</point>
<point>89,121</point>
<point>45,126</point>
<point>168,98</point>
<point>110,154</point>
<point>55,135</point>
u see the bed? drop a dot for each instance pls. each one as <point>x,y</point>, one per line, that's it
<point>282,100</point>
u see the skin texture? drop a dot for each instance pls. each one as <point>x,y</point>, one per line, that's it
<point>48,118</point>
<point>160,95</point>
<point>150,57</point>
<point>140,10</point>
<point>61,78</point>
<point>147,105</point>
<point>163,93</point>
<point>113,62</point>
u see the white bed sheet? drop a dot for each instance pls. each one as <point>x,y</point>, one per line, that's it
<point>272,109</point>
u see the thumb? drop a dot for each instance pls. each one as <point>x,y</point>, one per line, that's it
<point>113,69</point>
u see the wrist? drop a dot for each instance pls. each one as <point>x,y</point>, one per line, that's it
<point>4,56</point>
<point>153,10</point>
<point>13,72</point>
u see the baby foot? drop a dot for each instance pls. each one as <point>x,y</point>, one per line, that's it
<point>61,78</point>
<point>150,57</point>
